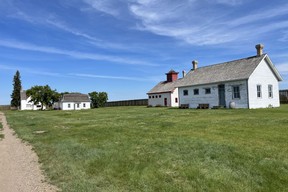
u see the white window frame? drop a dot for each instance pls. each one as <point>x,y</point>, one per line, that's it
<point>259,91</point>
<point>270,91</point>
<point>236,93</point>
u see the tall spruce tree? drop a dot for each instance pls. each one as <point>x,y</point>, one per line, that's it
<point>15,96</point>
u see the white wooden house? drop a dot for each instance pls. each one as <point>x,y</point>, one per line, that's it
<point>26,104</point>
<point>165,93</point>
<point>250,82</point>
<point>74,101</point>
<point>245,83</point>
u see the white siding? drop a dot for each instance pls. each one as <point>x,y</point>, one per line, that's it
<point>239,103</point>
<point>174,98</point>
<point>26,105</point>
<point>158,99</point>
<point>75,105</point>
<point>202,98</point>
<point>263,76</point>
<point>213,98</point>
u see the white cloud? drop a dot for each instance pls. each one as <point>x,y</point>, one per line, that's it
<point>29,70</point>
<point>107,6</point>
<point>283,68</point>
<point>187,21</point>
<point>75,54</point>
<point>261,15</point>
<point>110,77</point>
<point>230,2</point>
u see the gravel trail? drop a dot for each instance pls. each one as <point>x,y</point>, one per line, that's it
<point>19,167</point>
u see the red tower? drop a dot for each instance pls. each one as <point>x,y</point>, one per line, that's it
<point>172,76</point>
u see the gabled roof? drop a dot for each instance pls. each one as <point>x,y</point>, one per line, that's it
<point>228,71</point>
<point>164,87</point>
<point>75,97</point>
<point>23,95</point>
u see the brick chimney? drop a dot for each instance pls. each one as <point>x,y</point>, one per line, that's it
<point>259,48</point>
<point>172,76</point>
<point>194,64</point>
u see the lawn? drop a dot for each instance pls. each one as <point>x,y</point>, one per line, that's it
<point>159,149</point>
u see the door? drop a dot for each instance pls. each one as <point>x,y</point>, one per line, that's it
<point>221,93</point>
<point>165,102</point>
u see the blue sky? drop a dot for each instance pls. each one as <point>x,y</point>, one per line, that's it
<point>124,47</point>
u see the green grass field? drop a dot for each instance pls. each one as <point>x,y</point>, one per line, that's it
<point>159,149</point>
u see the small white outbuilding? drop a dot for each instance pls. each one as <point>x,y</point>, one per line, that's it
<point>74,101</point>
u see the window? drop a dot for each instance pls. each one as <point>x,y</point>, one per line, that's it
<point>185,92</point>
<point>69,105</point>
<point>159,96</point>
<point>207,90</point>
<point>153,97</point>
<point>84,104</point>
<point>156,96</point>
<point>236,92</point>
<point>176,100</point>
<point>149,97</point>
<point>259,92</point>
<point>78,105</point>
<point>270,91</point>
<point>196,91</point>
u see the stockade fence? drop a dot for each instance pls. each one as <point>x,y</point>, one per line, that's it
<point>283,96</point>
<point>4,107</point>
<point>135,102</point>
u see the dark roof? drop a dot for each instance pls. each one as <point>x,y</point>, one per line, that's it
<point>240,69</point>
<point>172,72</point>
<point>164,87</point>
<point>75,97</point>
<point>23,95</point>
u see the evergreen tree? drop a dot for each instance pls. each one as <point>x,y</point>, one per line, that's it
<point>15,96</point>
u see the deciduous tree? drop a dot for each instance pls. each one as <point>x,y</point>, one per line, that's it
<point>98,99</point>
<point>43,95</point>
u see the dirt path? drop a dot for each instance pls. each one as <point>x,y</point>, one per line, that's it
<point>19,167</point>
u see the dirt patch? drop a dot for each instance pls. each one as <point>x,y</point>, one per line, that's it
<point>19,167</point>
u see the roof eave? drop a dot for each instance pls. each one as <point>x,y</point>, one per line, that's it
<point>218,82</point>
<point>273,68</point>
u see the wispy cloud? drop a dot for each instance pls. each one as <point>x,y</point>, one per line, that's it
<point>111,77</point>
<point>53,21</point>
<point>74,54</point>
<point>176,19</point>
<point>107,6</point>
<point>283,68</point>
<point>261,15</point>
<point>29,70</point>
<point>64,27</point>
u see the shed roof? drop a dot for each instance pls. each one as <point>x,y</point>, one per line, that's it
<point>75,97</point>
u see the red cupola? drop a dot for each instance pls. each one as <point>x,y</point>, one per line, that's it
<point>172,76</point>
